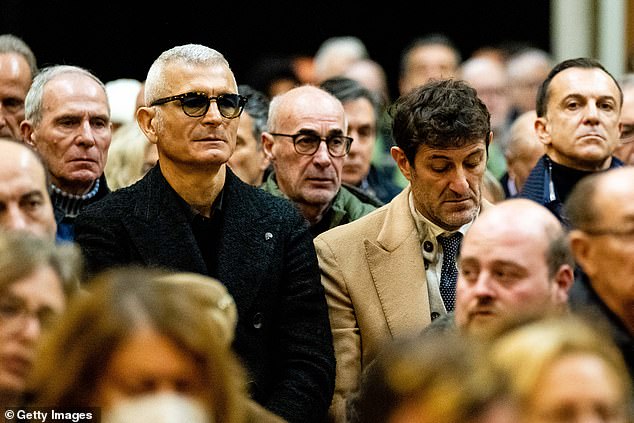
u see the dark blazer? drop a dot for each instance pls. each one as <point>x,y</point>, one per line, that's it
<point>266,260</point>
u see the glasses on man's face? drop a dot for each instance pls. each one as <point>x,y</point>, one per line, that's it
<point>14,313</point>
<point>307,144</point>
<point>196,104</point>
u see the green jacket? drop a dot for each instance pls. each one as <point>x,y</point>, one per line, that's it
<point>345,207</point>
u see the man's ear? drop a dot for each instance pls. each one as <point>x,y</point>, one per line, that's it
<point>401,161</point>
<point>267,147</point>
<point>582,246</point>
<point>564,278</point>
<point>145,119</point>
<point>26,129</point>
<point>542,130</point>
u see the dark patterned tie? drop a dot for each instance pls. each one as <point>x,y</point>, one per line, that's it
<point>449,272</point>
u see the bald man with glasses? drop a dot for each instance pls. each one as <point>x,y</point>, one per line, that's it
<point>306,144</point>
<point>192,213</point>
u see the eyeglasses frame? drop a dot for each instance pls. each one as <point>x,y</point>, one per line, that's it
<point>324,139</point>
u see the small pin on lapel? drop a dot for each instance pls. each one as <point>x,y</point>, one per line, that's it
<point>268,236</point>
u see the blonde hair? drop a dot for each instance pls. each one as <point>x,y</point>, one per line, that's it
<point>126,156</point>
<point>526,352</point>
<point>121,300</point>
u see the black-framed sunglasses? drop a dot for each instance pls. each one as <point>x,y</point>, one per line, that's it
<point>196,104</point>
<point>307,144</point>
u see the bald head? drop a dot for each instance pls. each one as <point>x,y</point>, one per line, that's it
<point>302,102</point>
<point>519,216</point>
<point>25,204</point>
<point>488,77</point>
<point>514,261</point>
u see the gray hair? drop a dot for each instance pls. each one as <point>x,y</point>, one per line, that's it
<point>33,103</point>
<point>189,54</point>
<point>9,43</point>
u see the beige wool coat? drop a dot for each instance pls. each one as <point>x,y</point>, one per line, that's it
<point>374,277</point>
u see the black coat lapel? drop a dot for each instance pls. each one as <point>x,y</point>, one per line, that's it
<point>159,227</point>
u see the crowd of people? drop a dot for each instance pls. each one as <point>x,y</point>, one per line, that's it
<point>314,249</point>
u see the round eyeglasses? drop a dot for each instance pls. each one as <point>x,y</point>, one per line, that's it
<point>308,144</point>
<point>196,104</point>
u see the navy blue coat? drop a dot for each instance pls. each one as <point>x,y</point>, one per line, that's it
<point>538,187</point>
<point>266,260</point>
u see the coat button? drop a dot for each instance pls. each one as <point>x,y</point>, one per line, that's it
<point>258,319</point>
<point>434,315</point>
<point>428,246</point>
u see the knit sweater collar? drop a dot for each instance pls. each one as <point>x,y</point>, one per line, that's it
<point>71,204</point>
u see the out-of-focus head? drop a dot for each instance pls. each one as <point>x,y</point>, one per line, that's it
<point>600,210</point>
<point>514,261</point>
<point>141,332</point>
<point>372,76</point>
<point>130,157</point>
<point>122,97</point>
<point>578,114</point>
<point>248,161</point>
<point>488,77</point>
<point>526,71</point>
<point>18,67</point>
<point>564,369</point>
<point>523,148</point>
<point>25,204</point>
<point>439,377</point>
<point>442,130</point>
<point>625,150</point>
<point>335,55</point>
<point>431,57</point>
<point>362,109</point>
<point>37,278</point>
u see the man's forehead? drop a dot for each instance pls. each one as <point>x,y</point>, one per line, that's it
<point>584,81</point>
<point>430,152</point>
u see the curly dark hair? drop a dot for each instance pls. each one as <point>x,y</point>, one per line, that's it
<point>441,114</point>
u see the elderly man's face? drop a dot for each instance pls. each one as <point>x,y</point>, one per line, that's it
<point>315,179</point>
<point>74,134</point>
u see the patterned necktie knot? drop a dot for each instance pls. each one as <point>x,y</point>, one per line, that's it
<point>449,272</point>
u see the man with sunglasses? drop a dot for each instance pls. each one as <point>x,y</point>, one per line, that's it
<point>192,213</point>
<point>306,143</point>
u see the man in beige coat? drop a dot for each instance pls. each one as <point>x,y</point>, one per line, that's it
<point>383,274</point>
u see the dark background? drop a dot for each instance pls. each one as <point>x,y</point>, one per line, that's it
<point>120,39</point>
